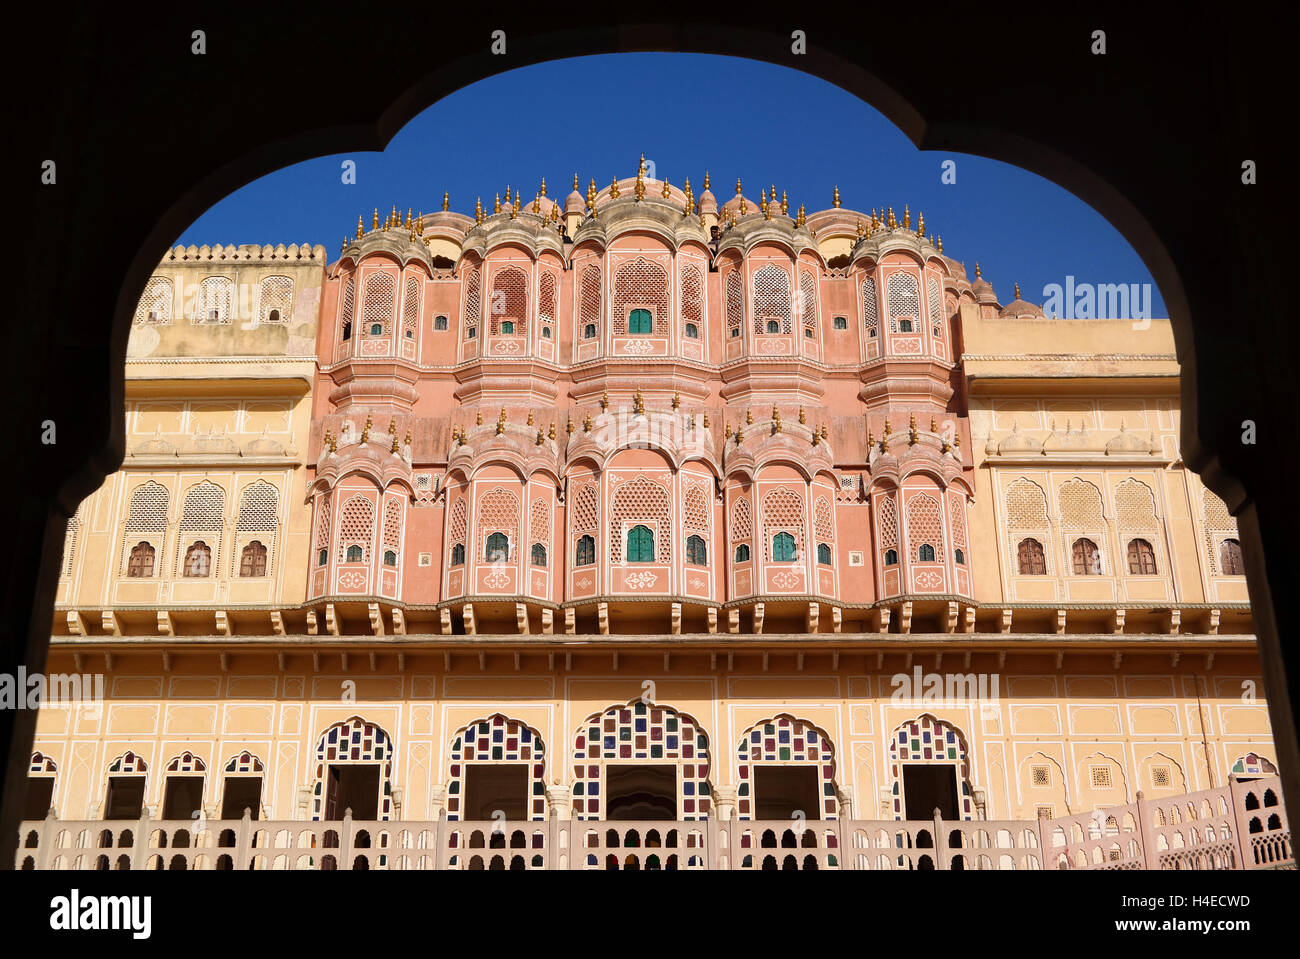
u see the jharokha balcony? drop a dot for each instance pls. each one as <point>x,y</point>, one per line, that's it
<point>1239,826</point>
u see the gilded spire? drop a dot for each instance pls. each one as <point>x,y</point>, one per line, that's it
<point>360,229</point>
<point>478,421</point>
<point>706,179</point>
<point>977,269</point>
<point>501,422</point>
<point>568,425</point>
<point>542,190</point>
<point>785,204</point>
<point>550,432</point>
<point>540,437</point>
<point>677,399</point>
<point>374,220</point>
<point>613,189</point>
<point>803,417</point>
<point>496,204</point>
<point>892,221</point>
<point>640,179</point>
<point>604,400</point>
<point>508,200</point>
<point>743,209</point>
<point>638,404</point>
<point>667,190</point>
<point>446,200</point>
<point>575,182</point>
<point>835,197</point>
<point>586,423</point>
<point>530,417</point>
<point>920,226</point>
<point>907,218</point>
<point>537,203</point>
<point>749,417</point>
<point>738,193</point>
<point>409,222</point>
<point>706,421</point>
<point>861,230</point>
<point>939,241</point>
<point>591,197</point>
<point>1017,291</point>
<point>395,446</point>
<point>802,218</point>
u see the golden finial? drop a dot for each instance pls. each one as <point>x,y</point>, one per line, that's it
<point>920,225</point>
<point>343,247</point>
<point>785,204</point>
<point>740,436</point>
<point>803,217</point>
<point>706,179</point>
<point>501,427</point>
<point>743,209</point>
<point>395,446</point>
<point>540,437</point>
<point>803,417</point>
<point>816,438</point>
<point>776,425</point>
<point>677,399</point>
<point>835,197</point>
<point>638,404</point>
<point>871,439</point>
<point>479,420</point>
<point>861,231</point>
<point>604,400</point>
<point>738,193</point>
<point>764,205</point>
<point>640,182</point>
<point>334,443</point>
<point>939,241</point>
<point>1017,291</point>
<point>419,220</point>
<point>591,198</point>
<point>537,203</point>
<point>776,414</point>
<point>409,222</point>
<point>889,430</point>
<point>934,425</point>
<point>407,440</point>
<point>555,212</point>
<point>667,189</point>
<point>514,210</point>
<point>907,218</point>
<point>502,417</point>
<point>568,425</point>
<point>892,221</point>
<point>728,431</point>
<point>365,430</point>
<point>911,430</point>
<point>542,190</point>
<point>508,195</point>
<point>395,219</point>
<point>706,421</point>
<point>823,431</point>
<point>641,164</point>
<point>392,427</point>
<point>613,189</point>
<point>749,417</point>
<point>690,421</point>
<point>374,220</point>
<point>977,269</point>
<point>496,204</point>
<point>772,193</point>
<point>550,432</point>
<point>586,423</point>
<point>360,230</point>
<point>575,182</point>
<point>478,210</point>
<point>530,417</point>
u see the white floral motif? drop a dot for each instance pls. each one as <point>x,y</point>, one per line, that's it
<point>638,347</point>
<point>929,579</point>
<point>352,579</point>
<point>496,579</point>
<point>787,578</point>
<point>641,580</point>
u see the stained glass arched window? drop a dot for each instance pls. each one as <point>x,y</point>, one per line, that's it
<point>640,545</point>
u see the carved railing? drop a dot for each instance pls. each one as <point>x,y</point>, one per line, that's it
<point>1239,826</point>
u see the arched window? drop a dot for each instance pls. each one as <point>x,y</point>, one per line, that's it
<point>640,545</point>
<point>783,548</point>
<point>1087,559</point>
<point>1030,558</point>
<point>808,333</point>
<point>471,333</point>
<point>1230,559</point>
<point>841,323</point>
<point>696,552</point>
<point>458,555</point>
<point>322,556</point>
<point>390,557</point>
<point>639,321</point>
<point>1141,558</point>
<point>891,557</point>
<point>198,560</point>
<point>376,329</point>
<point>354,554</point>
<point>905,326</point>
<point>439,322</point>
<point>742,553</point>
<point>824,553</point>
<point>140,566</point>
<point>508,327</point>
<point>926,553</point>
<point>773,326</point>
<point>253,561</point>
<point>735,332</point>
<point>692,331</point>
<point>498,548</point>
<point>347,329</point>
<point>586,551</point>
<point>539,554</point>
<point>959,556</point>
<point>589,331</point>
<point>546,332</point>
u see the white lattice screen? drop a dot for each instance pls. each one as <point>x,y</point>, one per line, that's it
<point>904,300</point>
<point>148,510</point>
<point>641,282</point>
<point>356,525</point>
<point>771,298</point>
<point>411,306</point>
<point>1080,503</point>
<point>936,307</point>
<point>473,297</point>
<point>323,523</point>
<point>636,500</point>
<point>204,507</point>
<point>456,532</point>
<point>70,541</point>
<point>783,512</point>
<point>741,520</point>
<point>824,520</point>
<point>1217,520</point>
<point>584,509</point>
<point>349,308</point>
<point>539,522</point>
<point>259,507</point>
<point>393,525</point>
<point>215,296</point>
<point>735,301</point>
<point>695,510</point>
<point>957,521</point>
<point>870,305</point>
<point>509,300</point>
<point>888,522</point>
<point>808,298</point>
<point>924,523</point>
<point>1026,505</point>
<point>546,297</point>
<point>277,296</point>
<point>155,305</point>
<point>1135,506</point>
<point>693,296</point>
<point>378,303</point>
<point>498,512</point>
<point>590,308</point>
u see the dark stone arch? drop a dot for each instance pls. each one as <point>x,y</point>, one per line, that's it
<point>1172,189</point>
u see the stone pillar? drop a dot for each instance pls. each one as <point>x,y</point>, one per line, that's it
<point>724,802</point>
<point>559,803</point>
<point>845,797</point>
<point>437,802</point>
<point>981,804</point>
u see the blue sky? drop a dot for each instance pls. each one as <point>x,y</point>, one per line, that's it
<point>688,113</point>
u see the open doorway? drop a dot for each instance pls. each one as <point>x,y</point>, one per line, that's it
<point>930,786</point>
<point>353,786</point>
<point>125,797</point>
<point>782,791</point>
<point>40,797</point>
<point>182,797</point>
<point>492,788</point>
<point>640,793</point>
<point>240,793</point>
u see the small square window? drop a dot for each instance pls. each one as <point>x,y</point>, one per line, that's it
<point>1040,775</point>
<point>473,332</point>
<point>807,332</point>
<point>1100,776</point>
<point>426,559</point>
<point>855,557</point>
<point>439,322</point>
<point>841,323</point>
<point>1160,777</point>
